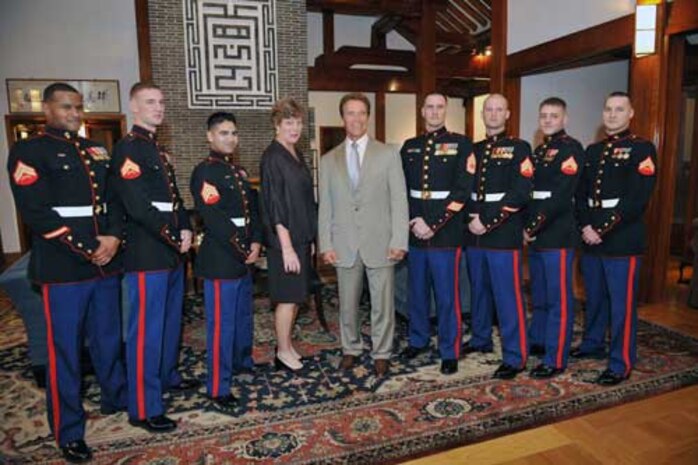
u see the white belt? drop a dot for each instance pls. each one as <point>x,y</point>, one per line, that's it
<point>239,222</point>
<point>605,203</point>
<point>426,195</point>
<point>163,206</point>
<point>75,212</point>
<point>541,195</point>
<point>493,197</point>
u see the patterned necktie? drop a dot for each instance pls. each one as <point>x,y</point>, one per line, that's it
<point>354,166</point>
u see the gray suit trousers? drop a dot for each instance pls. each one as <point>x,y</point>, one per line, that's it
<point>381,282</point>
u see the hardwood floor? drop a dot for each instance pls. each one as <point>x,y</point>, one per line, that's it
<point>658,430</point>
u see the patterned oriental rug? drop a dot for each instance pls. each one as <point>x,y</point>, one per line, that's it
<point>326,415</point>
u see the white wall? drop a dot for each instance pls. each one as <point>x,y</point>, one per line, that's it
<point>479,126</point>
<point>348,30</point>
<point>533,22</point>
<point>400,115</point>
<point>66,39</point>
<point>584,90</point>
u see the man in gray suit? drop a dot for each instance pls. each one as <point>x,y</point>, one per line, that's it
<point>363,226</point>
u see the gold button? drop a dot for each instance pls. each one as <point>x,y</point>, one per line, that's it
<point>92,173</point>
<point>95,185</point>
<point>80,245</point>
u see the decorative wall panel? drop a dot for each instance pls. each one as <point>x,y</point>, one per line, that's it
<point>231,54</point>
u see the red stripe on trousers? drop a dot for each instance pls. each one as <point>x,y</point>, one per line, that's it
<point>216,335</point>
<point>563,307</point>
<point>140,350</point>
<point>456,279</point>
<point>628,315</point>
<point>520,310</point>
<point>52,369</point>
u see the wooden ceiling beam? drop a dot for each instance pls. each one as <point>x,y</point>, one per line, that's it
<point>482,8</point>
<point>368,7</point>
<point>347,56</point>
<point>381,28</point>
<point>474,14</point>
<point>462,18</point>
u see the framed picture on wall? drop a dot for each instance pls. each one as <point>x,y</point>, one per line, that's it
<point>99,95</point>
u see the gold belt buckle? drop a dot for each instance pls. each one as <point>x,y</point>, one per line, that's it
<point>426,195</point>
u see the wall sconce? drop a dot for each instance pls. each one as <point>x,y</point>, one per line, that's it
<point>645,30</point>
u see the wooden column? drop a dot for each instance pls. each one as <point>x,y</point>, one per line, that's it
<point>327,32</point>
<point>512,91</point>
<point>499,46</point>
<point>145,63</point>
<point>380,116</point>
<point>469,104</point>
<point>655,85</point>
<point>426,58</point>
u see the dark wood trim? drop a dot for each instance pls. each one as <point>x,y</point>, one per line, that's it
<point>655,85</point>
<point>327,32</point>
<point>512,91</point>
<point>613,37</point>
<point>469,104</point>
<point>683,17</point>
<point>690,212</point>
<point>145,62</point>
<point>426,58</point>
<point>380,116</point>
<point>499,46</point>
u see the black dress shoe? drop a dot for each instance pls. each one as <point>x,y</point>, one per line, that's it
<point>537,350</point>
<point>506,372</point>
<point>281,365</point>
<point>76,452</point>
<point>225,404</point>
<point>185,385</point>
<point>468,349</point>
<point>543,371</point>
<point>111,410</point>
<point>578,353</point>
<point>609,378</point>
<point>412,352</point>
<point>449,367</point>
<point>158,424</point>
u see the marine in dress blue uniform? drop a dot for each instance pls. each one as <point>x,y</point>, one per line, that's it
<point>618,181</point>
<point>439,167</point>
<point>62,190</point>
<point>502,189</point>
<point>551,234</point>
<point>158,233</point>
<point>231,243</point>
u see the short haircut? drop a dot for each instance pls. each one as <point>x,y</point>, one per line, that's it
<point>143,85</point>
<point>220,117</point>
<point>354,96</point>
<point>553,101</point>
<point>619,93</point>
<point>286,108</point>
<point>440,94</point>
<point>57,87</point>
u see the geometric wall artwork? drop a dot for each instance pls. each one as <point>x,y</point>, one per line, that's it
<point>231,57</point>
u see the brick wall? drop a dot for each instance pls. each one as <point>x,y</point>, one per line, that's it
<point>184,130</point>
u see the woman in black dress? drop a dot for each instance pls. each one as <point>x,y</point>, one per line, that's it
<point>290,225</point>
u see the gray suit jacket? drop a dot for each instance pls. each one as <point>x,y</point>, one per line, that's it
<point>370,220</point>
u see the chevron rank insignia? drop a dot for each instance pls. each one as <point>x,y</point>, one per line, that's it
<point>471,164</point>
<point>24,175</point>
<point>526,168</point>
<point>130,169</point>
<point>569,166</point>
<point>455,206</point>
<point>646,167</point>
<point>209,194</point>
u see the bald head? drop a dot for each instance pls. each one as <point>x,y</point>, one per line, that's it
<point>495,113</point>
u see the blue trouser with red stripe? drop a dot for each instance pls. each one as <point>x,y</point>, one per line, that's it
<point>228,304</point>
<point>154,332</point>
<point>71,311</point>
<point>553,303</point>
<point>611,292</point>
<point>495,284</point>
<point>438,268</point>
